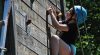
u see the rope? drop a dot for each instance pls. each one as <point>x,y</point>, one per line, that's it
<point>48,32</point>
<point>57,19</point>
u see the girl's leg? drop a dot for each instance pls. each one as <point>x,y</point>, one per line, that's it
<point>64,49</point>
<point>58,46</point>
<point>54,45</point>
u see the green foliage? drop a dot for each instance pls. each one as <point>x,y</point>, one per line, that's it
<point>90,35</point>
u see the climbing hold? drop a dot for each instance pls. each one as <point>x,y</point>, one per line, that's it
<point>28,22</point>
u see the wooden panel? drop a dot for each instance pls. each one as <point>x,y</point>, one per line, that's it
<point>38,34</point>
<point>31,42</point>
<point>20,20</point>
<point>43,3</point>
<point>28,2</point>
<point>23,50</point>
<point>38,8</point>
<point>55,3</point>
<point>34,40</point>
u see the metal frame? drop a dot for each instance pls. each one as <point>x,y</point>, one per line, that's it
<point>7,8</point>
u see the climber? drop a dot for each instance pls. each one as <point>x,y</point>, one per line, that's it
<point>63,44</point>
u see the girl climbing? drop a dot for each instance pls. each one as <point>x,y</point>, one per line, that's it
<point>64,43</point>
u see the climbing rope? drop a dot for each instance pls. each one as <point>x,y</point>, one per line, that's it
<point>48,31</point>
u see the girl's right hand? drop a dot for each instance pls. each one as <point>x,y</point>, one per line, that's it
<point>50,10</point>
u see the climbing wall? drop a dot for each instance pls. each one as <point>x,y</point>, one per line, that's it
<point>32,39</point>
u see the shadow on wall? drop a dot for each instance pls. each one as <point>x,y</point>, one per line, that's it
<point>31,3</point>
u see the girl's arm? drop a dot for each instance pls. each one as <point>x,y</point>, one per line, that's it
<point>55,23</point>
